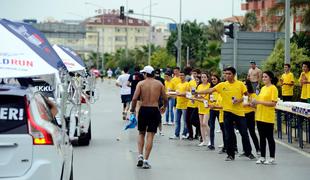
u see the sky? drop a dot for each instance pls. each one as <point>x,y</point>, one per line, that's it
<point>201,10</point>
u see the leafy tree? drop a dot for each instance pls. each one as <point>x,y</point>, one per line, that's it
<point>212,60</point>
<point>193,36</point>
<point>215,30</point>
<point>302,40</point>
<point>295,4</point>
<point>249,22</point>
<point>161,59</point>
<point>275,61</point>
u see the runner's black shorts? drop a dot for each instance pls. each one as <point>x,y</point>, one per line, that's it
<point>126,98</point>
<point>148,119</point>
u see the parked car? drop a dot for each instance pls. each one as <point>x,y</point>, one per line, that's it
<point>33,146</point>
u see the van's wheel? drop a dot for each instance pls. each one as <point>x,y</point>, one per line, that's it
<point>89,131</point>
<point>71,174</point>
<point>84,139</point>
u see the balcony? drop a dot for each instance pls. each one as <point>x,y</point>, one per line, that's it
<point>245,6</point>
<point>253,5</point>
<point>261,5</point>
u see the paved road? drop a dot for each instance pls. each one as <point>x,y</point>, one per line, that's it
<point>107,158</point>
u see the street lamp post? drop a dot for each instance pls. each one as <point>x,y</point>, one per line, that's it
<point>179,44</point>
<point>98,40</point>
<point>287,31</point>
<point>150,34</point>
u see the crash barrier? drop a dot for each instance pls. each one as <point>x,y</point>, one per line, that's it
<point>296,118</point>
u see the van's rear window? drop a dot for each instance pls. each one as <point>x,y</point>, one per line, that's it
<point>13,118</point>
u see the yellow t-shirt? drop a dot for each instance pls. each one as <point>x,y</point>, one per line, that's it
<point>192,85</point>
<point>221,112</point>
<point>228,91</point>
<point>169,85</point>
<point>182,101</point>
<point>175,81</point>
<point>248,109</point>
<point>264,113</point>
<point>305,90</point>
<point>287,79</point>
<point>201,107</point>
<point>214,96</point>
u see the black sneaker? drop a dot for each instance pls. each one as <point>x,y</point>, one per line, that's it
<point>140,161</point>
<point>190,138</point>
<point>251,157</point>
<point>229,158</point>
<point>211,147</point>
<point>146,165</point>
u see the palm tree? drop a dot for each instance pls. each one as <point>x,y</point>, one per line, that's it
<point>215,30</point>
<point>249,22</point>
<point>306,21</point>
<point>295,5</point>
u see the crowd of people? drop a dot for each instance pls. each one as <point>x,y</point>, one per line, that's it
<point>199,99</point>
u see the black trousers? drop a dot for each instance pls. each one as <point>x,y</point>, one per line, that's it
<point>192,119</point>
<point>250,121</point>
<point>265,131</point>
<point>287,98</point>
<point>230,120</point>
<point>213,115</point>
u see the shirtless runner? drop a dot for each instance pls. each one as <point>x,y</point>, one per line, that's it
<point>149,91</point>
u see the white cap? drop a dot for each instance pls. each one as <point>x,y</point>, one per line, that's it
<point>147,69</point>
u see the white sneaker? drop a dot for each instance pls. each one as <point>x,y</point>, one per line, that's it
<point>221,146</point>
<point>270,161</point>
<point>165,123</point>
<point>202,144</point>
<point>171,123</point>
<point>183,137</point>
<point>218,131</point>
<point>174,137</point>
<point>161,133</point>
<point>261,160</point>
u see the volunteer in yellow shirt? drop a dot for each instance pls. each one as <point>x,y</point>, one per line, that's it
<point>181,107</point>
<point>214,113</point>
<point>287,83</point>
<point>232,92</point>
<point>176,77</point>
<point>203,109</point>
<point>219,107</point>
<point>192,117</point>
<point>250,114</point>
<point>304,80</point>
<point>169,86</point>
<point>265,116</point>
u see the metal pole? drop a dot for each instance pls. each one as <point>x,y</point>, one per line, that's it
<point>180,37</point>
<point>187,56</point>
<point>232,8</point>
<point>126,49</point>
<point>287,31</point>
<point>150,34</point>
<point>235,45</point>
<point>97,56</point>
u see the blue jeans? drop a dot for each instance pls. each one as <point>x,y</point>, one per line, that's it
<point>169,110</point>
<point>179,113</point>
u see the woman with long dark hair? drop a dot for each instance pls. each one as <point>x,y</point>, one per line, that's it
<point>214,113</point>
<point>250,114</point>
<point>265,116</point>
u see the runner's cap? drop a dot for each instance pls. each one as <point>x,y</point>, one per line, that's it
<point>147,69</point>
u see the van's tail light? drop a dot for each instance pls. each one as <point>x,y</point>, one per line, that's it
<point>83,100</point>
<point>40,135</point>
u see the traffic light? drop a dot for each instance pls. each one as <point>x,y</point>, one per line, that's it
<point>229,30</point>
<point>122,12</point>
